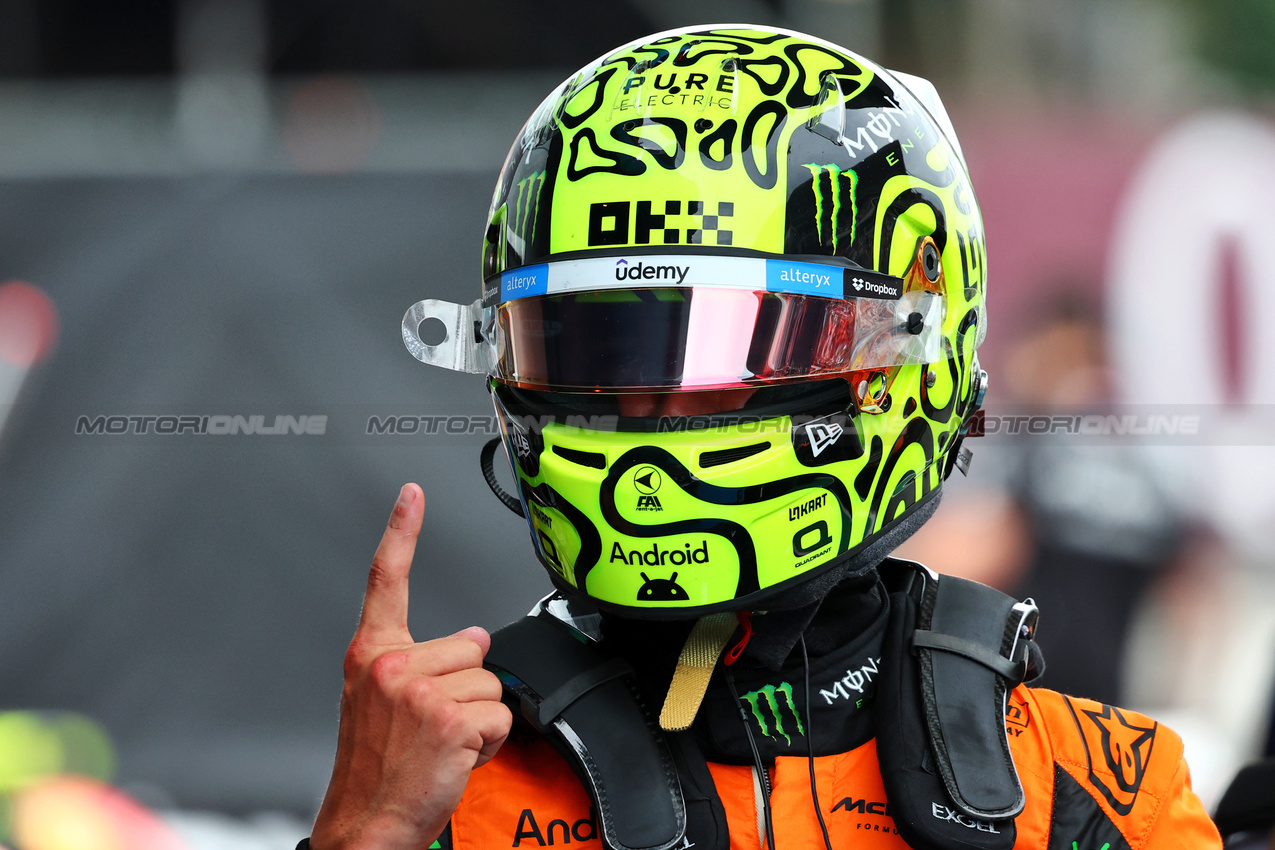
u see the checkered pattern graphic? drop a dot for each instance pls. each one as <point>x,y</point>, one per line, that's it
<point>666,223</point>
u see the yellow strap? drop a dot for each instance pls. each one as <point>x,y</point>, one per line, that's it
<point>694,669</point>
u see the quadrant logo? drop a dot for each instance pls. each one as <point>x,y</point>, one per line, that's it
<point>771,706</point>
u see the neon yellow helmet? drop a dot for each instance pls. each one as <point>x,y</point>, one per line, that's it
<point>767,234</point>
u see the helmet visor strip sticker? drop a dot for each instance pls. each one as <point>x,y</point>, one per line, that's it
<point>803,277</point>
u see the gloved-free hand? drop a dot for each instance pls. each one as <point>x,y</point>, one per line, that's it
<point>416,718</point>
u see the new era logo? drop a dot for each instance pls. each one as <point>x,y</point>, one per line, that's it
<point>822,436</point>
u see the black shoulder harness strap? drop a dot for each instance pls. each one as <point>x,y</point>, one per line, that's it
<point>953,650</point>
<point>584,701</point>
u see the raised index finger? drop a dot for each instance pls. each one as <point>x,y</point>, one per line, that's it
<point>385,602</point>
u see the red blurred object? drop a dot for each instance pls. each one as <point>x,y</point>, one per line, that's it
<point>28,323</point>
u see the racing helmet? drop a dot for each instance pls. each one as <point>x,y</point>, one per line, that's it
<point>733,287</point>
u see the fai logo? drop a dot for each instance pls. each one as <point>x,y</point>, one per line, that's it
<point>647,481</point>
<point>770,706</point>
<point>1119,750</point>
<point>822,436</point>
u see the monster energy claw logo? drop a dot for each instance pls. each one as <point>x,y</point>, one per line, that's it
<point>835,191</point>
<point>527,206</point>
<point>774,706</point>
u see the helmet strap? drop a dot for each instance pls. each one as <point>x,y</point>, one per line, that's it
<point>486,459</point>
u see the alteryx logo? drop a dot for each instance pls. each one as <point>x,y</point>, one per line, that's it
<point>524,282</point>
<point>624,270</point>
<point>804,278</point>
<point>772,706</point>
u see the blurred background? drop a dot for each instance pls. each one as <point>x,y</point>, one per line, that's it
<point>215,210</point>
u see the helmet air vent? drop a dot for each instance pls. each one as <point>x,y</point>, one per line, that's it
<point>593,460</point>
<point>725,456</point>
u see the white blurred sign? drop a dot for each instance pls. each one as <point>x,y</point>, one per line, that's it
<point>1199,210</point>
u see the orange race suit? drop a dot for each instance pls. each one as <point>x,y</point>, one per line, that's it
<point>1095,777</point>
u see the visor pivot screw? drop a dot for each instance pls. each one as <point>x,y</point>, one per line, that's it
<point>930,260</point>
<point>916,323</point>
<point>930,379</point>
<point>885,404</point>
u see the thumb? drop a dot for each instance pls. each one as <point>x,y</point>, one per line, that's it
<point>477,634</point>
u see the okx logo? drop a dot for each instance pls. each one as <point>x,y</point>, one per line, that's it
<point>832,186</point>
<point>773,706</point>
<point>656,223</point>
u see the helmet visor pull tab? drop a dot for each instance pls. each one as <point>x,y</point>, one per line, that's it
<point>464,347</point>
